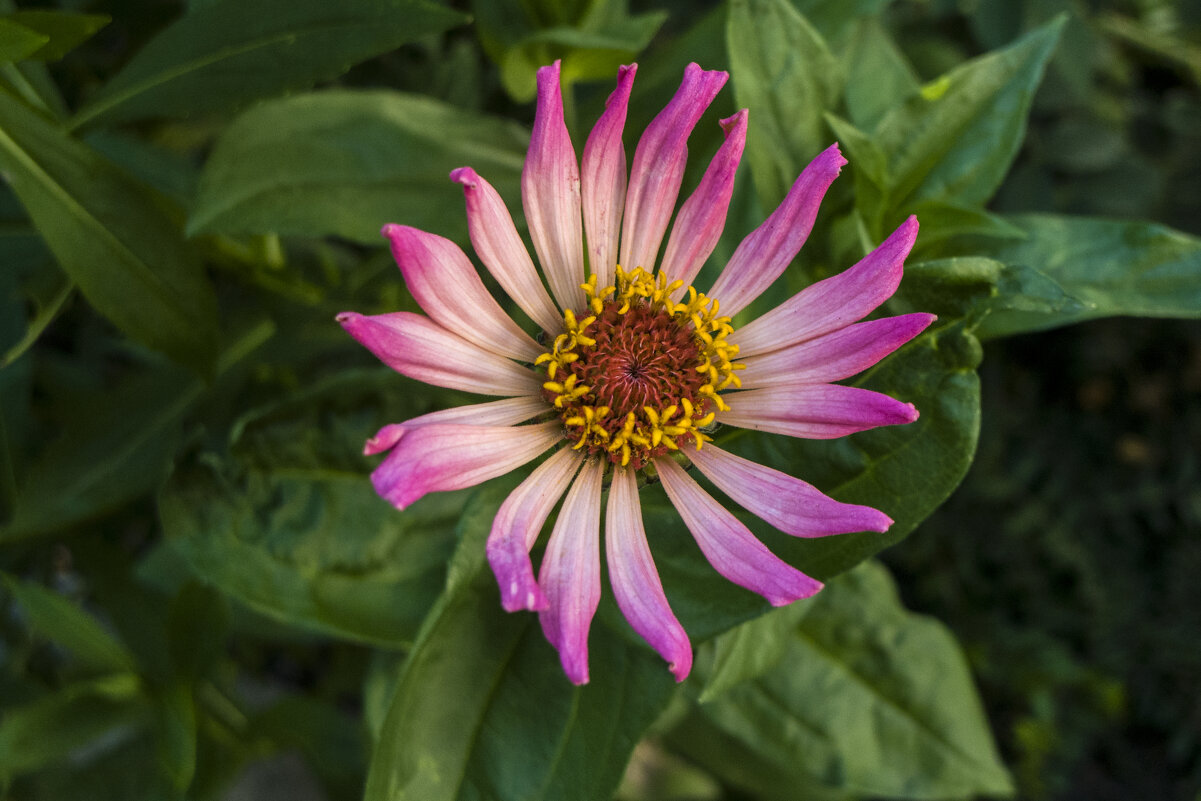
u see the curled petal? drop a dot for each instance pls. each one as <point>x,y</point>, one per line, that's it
<point>729,545</point>
<point>836,355</point>
<point>636,585</point>
<point>658,167</point>
<point>701,219</point>
<point>570,574</point>
<point>550,193</point>
<point>506,412</point>
<point>766,251</point>
<point>603,180</point>
<point>516,527</point>
<point>814,411</point>
<point>419,348</point>
<point>832,303</point>
<point>787,503</point>
<point>449,290</point>
<point>442,457</point>
<point>500,248</point>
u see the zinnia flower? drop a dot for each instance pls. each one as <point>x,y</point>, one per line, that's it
<point>635,367</point>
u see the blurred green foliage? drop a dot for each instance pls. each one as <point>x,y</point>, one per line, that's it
<point>202,597</point>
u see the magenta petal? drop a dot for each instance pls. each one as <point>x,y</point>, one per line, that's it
<point>658,167</point>
<point>836,355</point>
<point>814,411</point>
<point>701,219</point>
<point>550,193</point>
<point>448,289</point>
<point>500,248</point>
<point>442,457</point>
<point>729,545</point>
<point>419,348</point>
<point>603,180</point>
<point>834,302</point>
<point>771,247</point>
<point>636,585</point>
<point>506,412</point>
<point>516,527</point>
<point>570,574</point>
<point>787,503</point>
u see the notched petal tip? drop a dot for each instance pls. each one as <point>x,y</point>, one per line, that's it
<point>465,176</point>
<point>735,122</point>
<point>385,439</point>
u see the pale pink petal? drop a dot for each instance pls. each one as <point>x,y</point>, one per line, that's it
<point>447,287</point>
<point>787,503</point>
<point>419,348</point>
<point>729,545</point>
<point>441,457</point>
<point>603,180</point>
<point>832,303</point>
<point>570,574</point>
<point>636,585</point>
<point>833,356</point>
<point>814,411</point>
<point>506,412</point>
<point>516,527</point>
<point>766,251</point>
<point>500,248</point>
<point>658,167</point>
<point>701,219</point>
<point>550,193</point>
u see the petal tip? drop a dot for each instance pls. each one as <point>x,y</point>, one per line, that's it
<point>465,176</point>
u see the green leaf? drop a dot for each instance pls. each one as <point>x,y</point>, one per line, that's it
<point>483,710</point>
<point>345,163</point>
<point>749,650</point>
<point>49,298</point>
<point>1111,267</point>
<point>175,726</point>
<point>787,77</point>
<point>878,75</point>
<point>18,42</point>
<point>955,140</point>
<point>945,224</point>
<point>869,700</point>
<point>228,53</point>
<point>197,628</point>
<point>52,616</point>
<point>113,236</point>
<point>835,18</point>
<point>64,30</point>
<point>91,715</point>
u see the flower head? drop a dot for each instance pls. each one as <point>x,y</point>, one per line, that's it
<point>634,367</point>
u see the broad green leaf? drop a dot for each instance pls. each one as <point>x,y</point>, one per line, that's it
<point>64,30</point>
<point>944,226</point>
<point>175,729</point>
<point>345,163</point>
<point>52,616</point>
<point>787,77</point>
<point>92,715</point>
<point>18,42</point>
<point>954,141</point>
<point>869,700</point>
<point>113,236</point>
<point>878,75</point>
<point>836,18</point>
<point>1111,267</point>
<point>228,53</point>
<point>972,286</point>
<point>749,650</point>
<point>482,709</point>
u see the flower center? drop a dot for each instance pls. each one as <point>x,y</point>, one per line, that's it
<point>637,374</point>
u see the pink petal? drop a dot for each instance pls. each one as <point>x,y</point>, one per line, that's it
<point>516,527</point>
<point>771,247</point>
<point>636,584</point>
<point>603,180</point>
<point>729,545</point>
<point>550,192</point>
<point>658,167</point>
<point>441,457</point>
<point>814,411</point>
<point>448,289</point>
<point>419,348</point>
<point>832,303</point>
<point>500,248</point>
<point>506,412</point>
<point>787,503</point>
<point>833,356</point>
<point>699,224</point>
<point>570,574</point>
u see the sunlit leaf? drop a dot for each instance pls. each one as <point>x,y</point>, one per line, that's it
<point>63,30</point>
